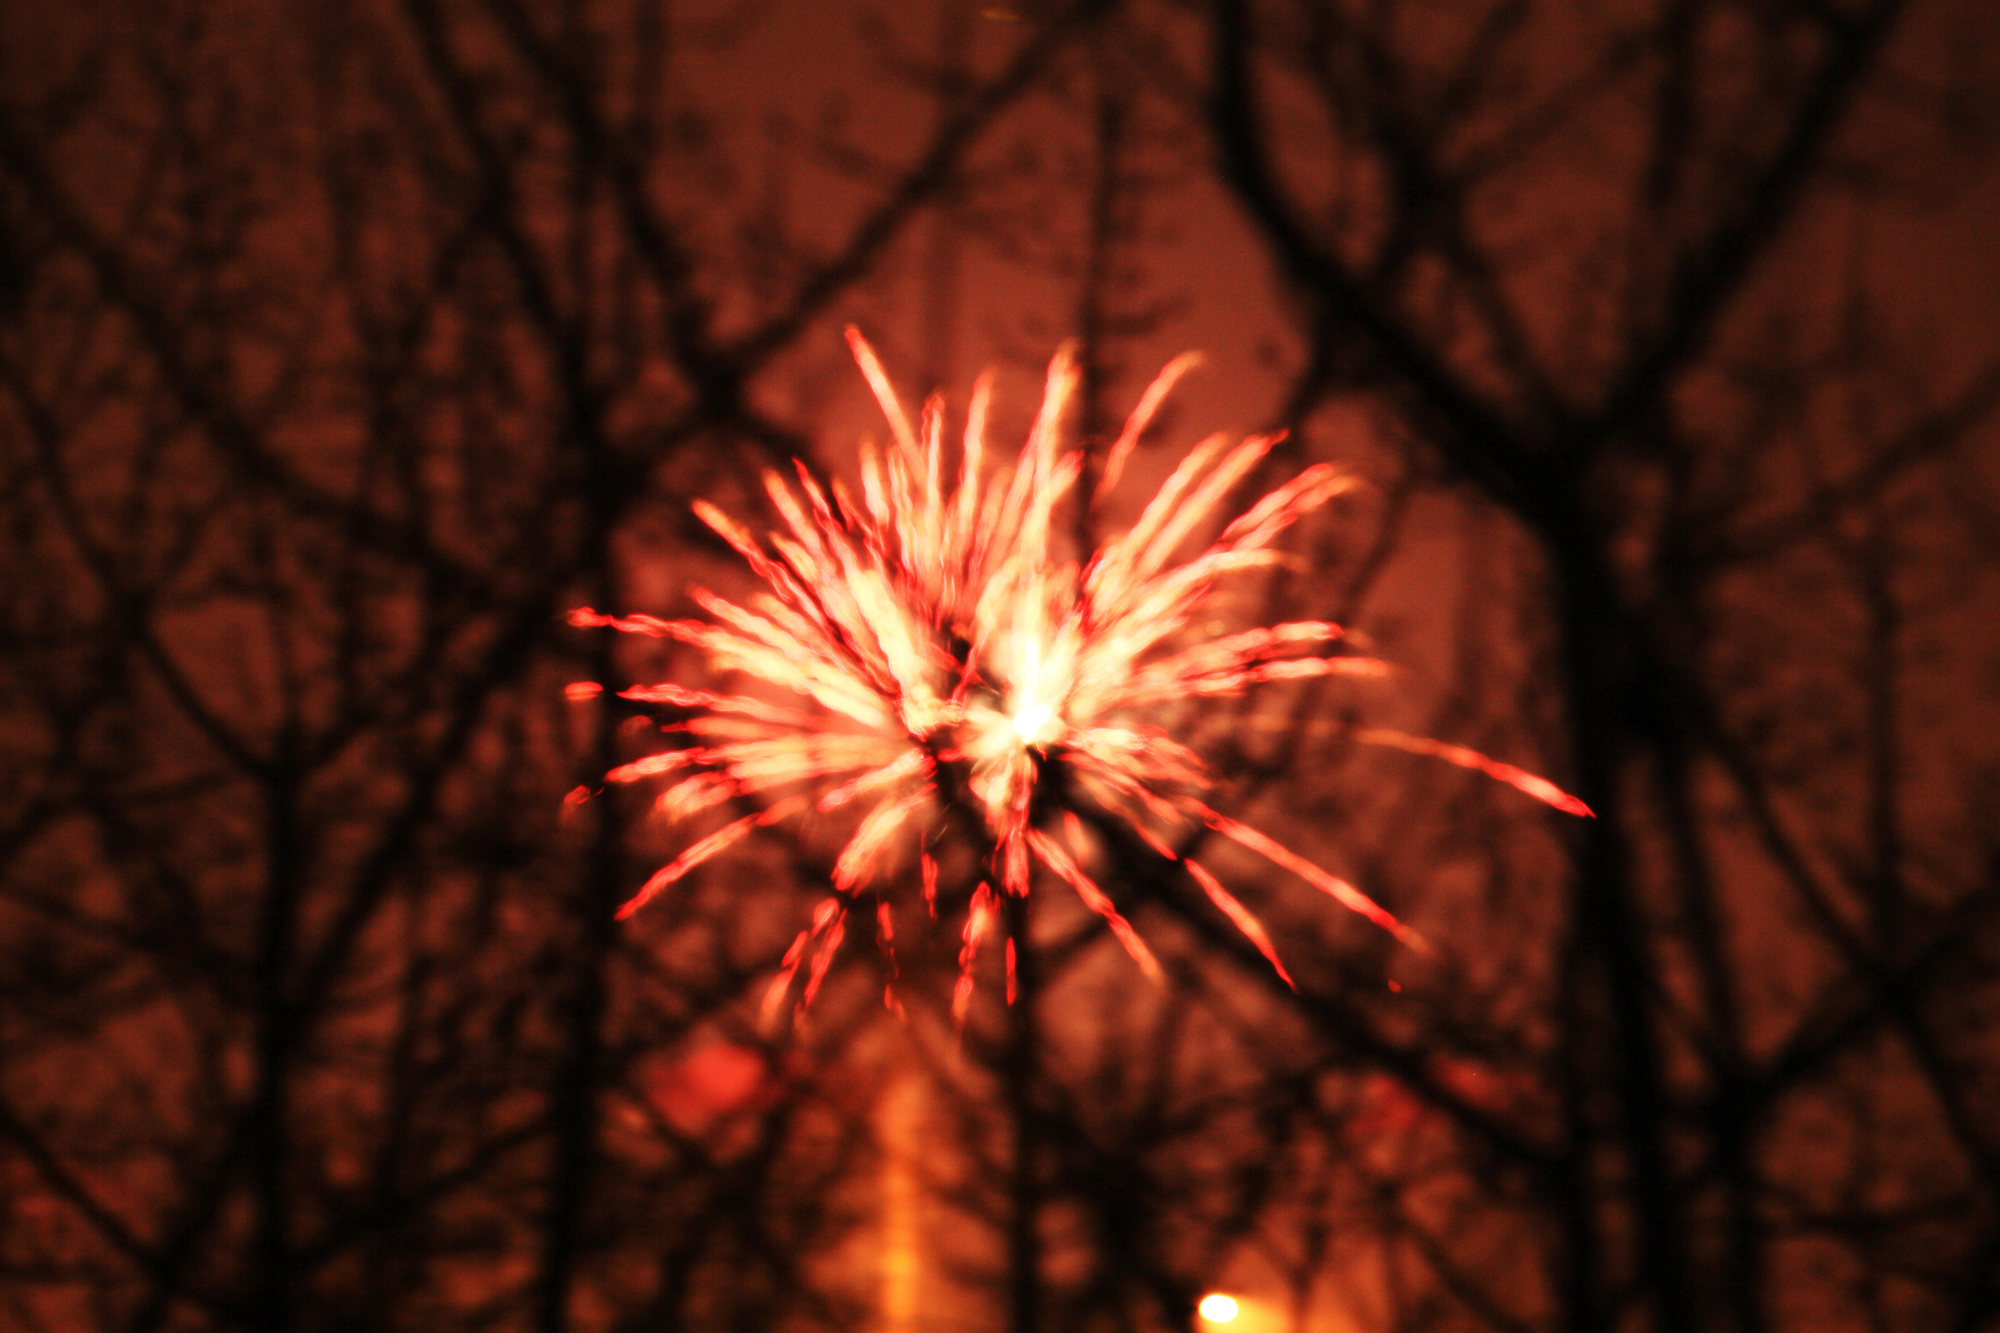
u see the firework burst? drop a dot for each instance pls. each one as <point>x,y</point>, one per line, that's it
<point>945,662</point>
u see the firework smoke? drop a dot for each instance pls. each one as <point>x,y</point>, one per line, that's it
<point>947,664</point>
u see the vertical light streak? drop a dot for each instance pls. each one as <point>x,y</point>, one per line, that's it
<point>899,1125</point>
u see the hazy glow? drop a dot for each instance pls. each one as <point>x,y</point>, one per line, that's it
<point>1217,1308</point>
<point>938,648</point>
<point>1029,722</point>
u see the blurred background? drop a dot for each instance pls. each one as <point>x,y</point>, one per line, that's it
<point>346,345</point>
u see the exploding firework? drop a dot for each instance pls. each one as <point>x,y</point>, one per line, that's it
<point>945,664</point>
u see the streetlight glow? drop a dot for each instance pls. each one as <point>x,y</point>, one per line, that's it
<point>1217,1308</point>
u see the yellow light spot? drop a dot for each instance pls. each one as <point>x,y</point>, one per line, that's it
<point>1217,1308</point>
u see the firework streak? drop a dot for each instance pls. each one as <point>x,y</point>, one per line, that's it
<point>943,657</point>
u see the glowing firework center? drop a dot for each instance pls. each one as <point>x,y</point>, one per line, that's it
<point>943,656</point>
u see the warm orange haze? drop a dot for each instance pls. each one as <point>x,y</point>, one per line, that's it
<point>1500,840</point>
